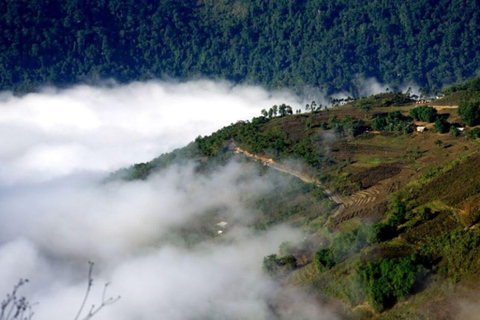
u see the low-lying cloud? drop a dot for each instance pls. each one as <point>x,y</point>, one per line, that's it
<point>56,214</point>
<point>58,132</point>
<point>50,234</point>
<point>370,86</point>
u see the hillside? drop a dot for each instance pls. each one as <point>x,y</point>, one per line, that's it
<point>390,211</point>
<point>295,44</point>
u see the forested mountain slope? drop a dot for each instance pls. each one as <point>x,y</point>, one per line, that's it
<point>274,43</point>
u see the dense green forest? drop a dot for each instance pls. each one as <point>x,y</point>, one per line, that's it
<point>330,44</point>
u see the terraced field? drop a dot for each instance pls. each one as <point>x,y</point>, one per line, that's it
<point>358,199</point>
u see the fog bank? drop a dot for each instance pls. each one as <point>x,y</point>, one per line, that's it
<point>59,132</point>
<point>56,213</point>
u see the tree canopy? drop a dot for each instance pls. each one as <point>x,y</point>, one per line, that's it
<point>424,113</point>
<point>470,112</point>
<point>275,43</point>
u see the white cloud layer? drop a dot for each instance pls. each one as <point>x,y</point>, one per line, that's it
<point>55,133</point>
<point>55,214</point>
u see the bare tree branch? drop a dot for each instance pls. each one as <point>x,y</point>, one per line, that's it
<point>104,303</point>
<point>13,307</point>
<point>89,287</point>
<point>93,311</point>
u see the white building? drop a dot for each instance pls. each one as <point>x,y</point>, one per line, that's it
<point>421,129</point>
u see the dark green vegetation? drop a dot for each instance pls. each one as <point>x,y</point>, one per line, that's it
<point>275,43</point>
<point>301,204</point>
<point>470,111</point>
<point>389,280</point>
<point>458,251</point>
<point>424,113</point>
<point>392,121</point>
<point>277,266</point>
<point>407,237</point>
<point>386,99</point>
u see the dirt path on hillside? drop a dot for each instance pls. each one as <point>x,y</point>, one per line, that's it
<point>360,198</point>
<point>298,174</point>
<point>444,107</point>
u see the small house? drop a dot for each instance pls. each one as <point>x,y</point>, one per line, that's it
<point>421,129</point>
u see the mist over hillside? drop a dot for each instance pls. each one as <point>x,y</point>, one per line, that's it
<point>351,212</point>
<point>57,212</point>
<point>240,159</point>
<point>59,132</point>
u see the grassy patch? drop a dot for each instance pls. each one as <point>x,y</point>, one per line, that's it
<point>455,185</point>
<point>368,162</point>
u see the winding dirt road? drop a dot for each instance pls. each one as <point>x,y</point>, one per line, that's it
<point>360,198</point>
<point>298,174</point>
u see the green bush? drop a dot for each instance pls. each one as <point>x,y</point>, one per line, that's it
<point>470,112</point>
<point>455,132</point>
<point>275,266</point>
<point>349,243</point>
<point>398,212</point>
<point>381,232</point>
<point>424,113</point>
<point>379,123</point>
<point>392,121</point>
<point>324,259</point>
<point>388,281</point>
<point>456,254</point>
<point>425,213</point>
<point>441,125</point>
<point>353,126</point>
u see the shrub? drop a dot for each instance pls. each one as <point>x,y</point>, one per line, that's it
<point>324,259</point>
<point>425,213</point>
<point>441,125</point>
<point>398,212</point>
<point>393,121</point>
<point>381,232</point>
<point>275,266</point>
<point>379,123</point>
<point>387,281</point>
<point>347,244</point>
<point>470,112</point>
<point>455,132</point>
<point>353,126</point>
<point>456,253</point>
<point>424,113</point>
